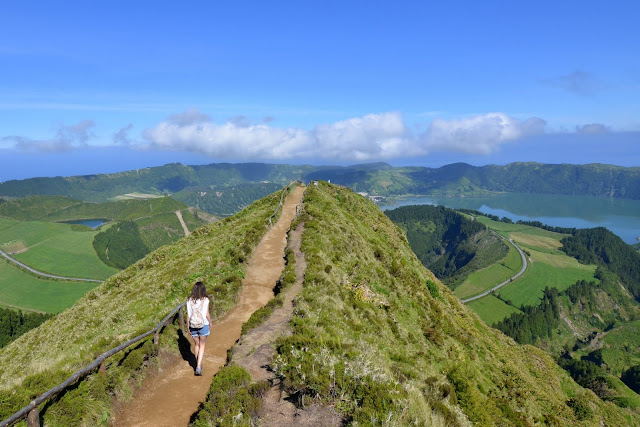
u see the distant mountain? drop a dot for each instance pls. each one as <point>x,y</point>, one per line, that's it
<point>376,179</point>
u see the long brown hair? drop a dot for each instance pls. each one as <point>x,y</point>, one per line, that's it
<point>199,291</point>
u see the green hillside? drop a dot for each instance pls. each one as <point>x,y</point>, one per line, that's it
<point>448,243</point>
<point>374,334</point>
<point>225,200</point>
<point>128,303</point>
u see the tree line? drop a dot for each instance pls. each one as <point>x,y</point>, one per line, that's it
<point>14,323</point>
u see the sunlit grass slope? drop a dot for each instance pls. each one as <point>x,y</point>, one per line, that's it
<point>379,338</point>
<point>135,299</point>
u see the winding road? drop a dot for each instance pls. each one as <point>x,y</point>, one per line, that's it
<point>40,273</point>
<point>511,279</point>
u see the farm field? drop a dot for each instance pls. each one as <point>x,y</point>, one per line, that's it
<point>53,248</point>
<point>19,289</point>
<point>546,270</point>
<point>486,278</point>
<point>548,266</point>
<point>491,309</point>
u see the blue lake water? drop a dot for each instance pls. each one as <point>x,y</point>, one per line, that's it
<point>93,223</point>
<point>618,215</point>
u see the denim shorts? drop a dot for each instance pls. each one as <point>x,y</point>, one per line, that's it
<point>202,332</point>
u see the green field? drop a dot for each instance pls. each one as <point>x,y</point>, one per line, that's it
<point>53,248</point>
<point>546,270</point>
<point>486,278</point>
<point>548,266</point>
<point>22,290</point>
<point>491,309</point>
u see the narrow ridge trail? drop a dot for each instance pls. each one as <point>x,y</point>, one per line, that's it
<point>171,396</point>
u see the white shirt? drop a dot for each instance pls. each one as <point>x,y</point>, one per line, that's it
<point>204,308</point>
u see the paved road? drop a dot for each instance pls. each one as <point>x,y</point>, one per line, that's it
<point>524,267</point>
<point>40,273</point>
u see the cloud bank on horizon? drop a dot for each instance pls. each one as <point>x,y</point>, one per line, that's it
<point>380,136</point>
<point>372,137</point>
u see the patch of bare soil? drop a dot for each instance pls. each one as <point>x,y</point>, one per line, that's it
<point>256,350</point>
<point>170,397</point>
<point>184,226</point>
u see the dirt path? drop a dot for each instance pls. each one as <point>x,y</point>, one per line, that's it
<point>172,396</point>
<point>255,351</point>
<point>184,226</point>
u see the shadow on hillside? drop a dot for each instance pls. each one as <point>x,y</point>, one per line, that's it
<point>184,346</point>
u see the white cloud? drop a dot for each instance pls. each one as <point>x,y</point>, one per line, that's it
<point>122,136</point>
<point>67,138</point>
<point>374,136</point>
<point>592,128</point>
<point>481,134</point>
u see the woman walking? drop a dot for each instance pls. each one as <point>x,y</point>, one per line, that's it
<point>198,321</point>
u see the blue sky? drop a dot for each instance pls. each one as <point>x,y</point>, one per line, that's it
<point>88,87</point>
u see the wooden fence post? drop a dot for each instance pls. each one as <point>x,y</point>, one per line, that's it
<point>103,369</point>
<point>33,419</point>
<point>156,337</point>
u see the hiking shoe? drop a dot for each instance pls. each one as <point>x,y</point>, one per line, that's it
<point>198,372</point>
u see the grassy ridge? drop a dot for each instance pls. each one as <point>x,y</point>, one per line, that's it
<point>376,335</point>
<point>128,303</point>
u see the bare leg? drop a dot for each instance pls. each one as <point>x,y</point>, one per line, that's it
<point>196,342</point>
<point>200,350</point>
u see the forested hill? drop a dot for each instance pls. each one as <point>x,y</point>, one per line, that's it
<point>447,242</point>
<point>198,185</point>
<point>600,246</point>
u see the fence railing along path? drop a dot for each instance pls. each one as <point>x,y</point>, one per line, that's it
<point>284,193</point>
<point>31,410</point>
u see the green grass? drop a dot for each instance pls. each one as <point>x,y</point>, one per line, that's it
<point>24,291</point>
<point>553,271</point>
<point>54,248</point>
<point>486,278</point>
<point>378,338</point>
<point>620,347</point>
<point>492,309</point>
<point>549,267</point>
<point>623,395</point>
